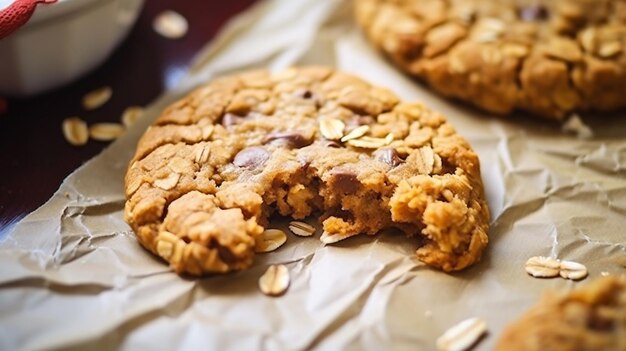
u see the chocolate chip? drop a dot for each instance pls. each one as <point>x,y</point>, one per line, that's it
<point>288,139</point>
<point>303,93</point>
<point>344,180</point>
<point>230,119</point>
<point>599,323</point>
<point>225,254</point>
<point>251,157</point>
<point>532,13</point>
<point>389,156</point>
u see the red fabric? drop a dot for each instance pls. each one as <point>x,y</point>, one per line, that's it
<point>18,13</point>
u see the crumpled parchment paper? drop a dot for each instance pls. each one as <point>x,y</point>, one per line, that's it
<point>72,275</point>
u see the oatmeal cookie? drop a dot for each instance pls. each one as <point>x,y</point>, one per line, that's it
<point>589,318</point>
<point>550,58</point>
<point>207,176</point>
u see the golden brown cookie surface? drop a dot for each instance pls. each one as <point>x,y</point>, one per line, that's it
<point>217,164</point>
<point>547,57</point>
<point>589,318</point>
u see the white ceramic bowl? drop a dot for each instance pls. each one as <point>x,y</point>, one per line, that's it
<point>61,42</point>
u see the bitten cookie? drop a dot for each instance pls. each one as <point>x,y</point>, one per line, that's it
<point>550,58</point>
<point>590,318</point>
<point>207,176</point>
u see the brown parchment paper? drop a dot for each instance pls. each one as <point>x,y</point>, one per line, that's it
<point>72,275</point>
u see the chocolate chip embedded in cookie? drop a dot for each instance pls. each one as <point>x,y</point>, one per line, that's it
<point>217,164</point>
<point>550,58</point>
<point>589,318</point>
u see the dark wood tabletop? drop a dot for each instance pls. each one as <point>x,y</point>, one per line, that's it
<point>34,155</point>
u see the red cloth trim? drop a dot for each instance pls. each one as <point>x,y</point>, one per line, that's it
<point>17,14</point>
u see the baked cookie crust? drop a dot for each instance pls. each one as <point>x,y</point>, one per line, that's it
<point>550,58</point>
<point>207,176</point>
<point>589,318</point>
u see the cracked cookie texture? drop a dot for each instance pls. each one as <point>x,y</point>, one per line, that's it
<point>589,318</point>
<point>551,58</point>
<point>215,166</point>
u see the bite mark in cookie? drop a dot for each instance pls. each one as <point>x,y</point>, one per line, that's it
<point>218,164</point>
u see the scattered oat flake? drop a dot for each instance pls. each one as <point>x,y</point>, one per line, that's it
<point>106,131</point>
<point>301,228</point>
<point>275,280</point>
<point>75,131</point>
<point>573,270</point>
<point>462,336</point>
<point>543,267</point>
<point>270,240</point>
<point>327,238</point>
<point>131,115</point>
<point>97,98</point>
<point>170,24</point>
<point>575,125</point>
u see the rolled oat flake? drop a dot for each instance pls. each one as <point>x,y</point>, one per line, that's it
<point>275,280</point>
<point>170,24</point>
<point>462,336</point>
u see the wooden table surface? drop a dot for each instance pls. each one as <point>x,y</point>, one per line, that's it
<point>34,155</point>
